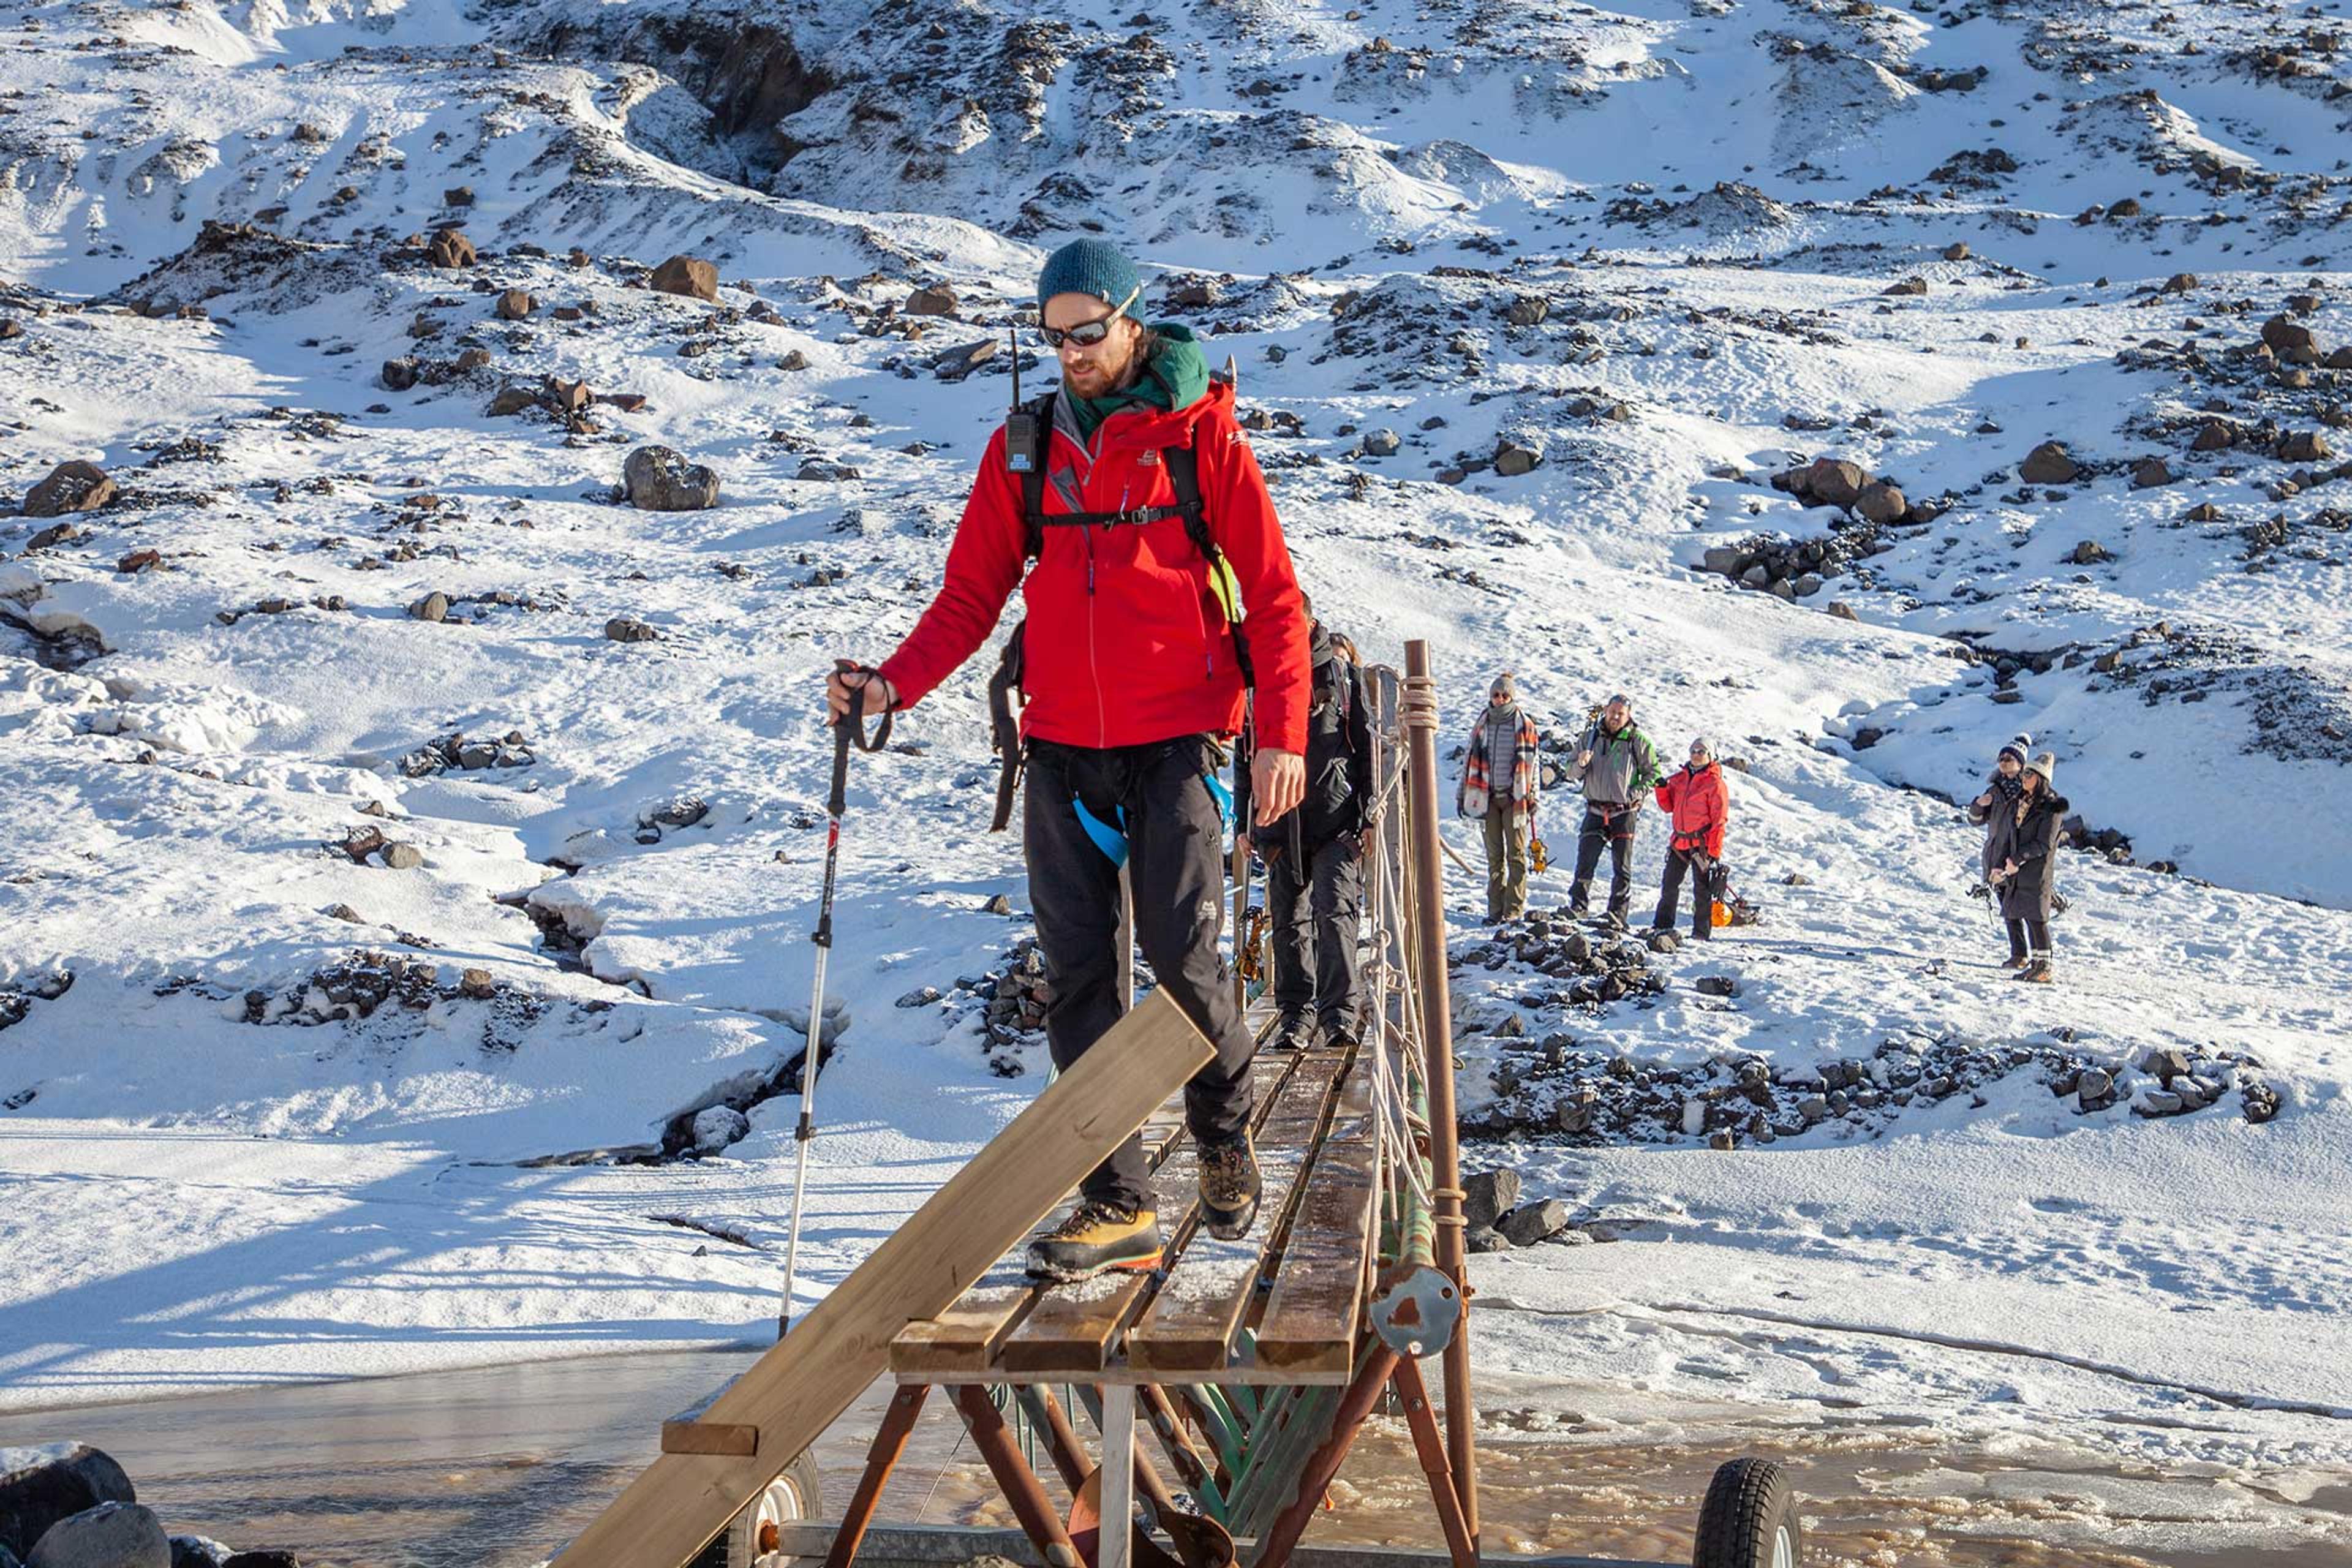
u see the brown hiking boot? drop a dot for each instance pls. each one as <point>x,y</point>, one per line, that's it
<point>2016,961</point>
<point>1229,1188</point>
<point>1096,1237</point>
<point>2038,974</point>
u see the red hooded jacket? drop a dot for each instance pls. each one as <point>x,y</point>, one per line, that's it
<point>1127,644</point>
<point>1700,803</point>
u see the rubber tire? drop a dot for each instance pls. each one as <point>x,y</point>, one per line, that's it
<point>738,1545</point>
<point>1747,1504</point>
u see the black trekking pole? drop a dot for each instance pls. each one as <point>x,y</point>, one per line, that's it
<point>849,729</point>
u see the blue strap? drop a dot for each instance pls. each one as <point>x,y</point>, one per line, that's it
<point>1112,841</point>
<point>1219,792</point>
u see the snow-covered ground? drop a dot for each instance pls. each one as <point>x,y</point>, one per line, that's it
<point>1651,242</point>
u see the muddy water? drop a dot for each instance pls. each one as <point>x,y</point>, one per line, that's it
<point>495,1468</point>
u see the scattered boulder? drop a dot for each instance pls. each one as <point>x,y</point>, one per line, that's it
<point>2180,283</point>
<point>939,299</point>
<point>629,629</point>
<point>40,1485</point>
<point>434,606</point>
<point>399,374</point>
<point>449,248</point>
<point>1833,481</point>
<point>658,479</point>
<point>1488,1196</point>
<point>403,857</point>
<point>2214,435</point>
<point>1534,1221</point>
<point>2149,473</point>
<point>69,487</point>
<point>2090,552</point>
<point>1382,443</point>
<point>1527,310</point>
<point>515,304</point>
<point>1512,459</point>
<point>2048,464</point>
<point>1957,251</point>
<point>717,1126</point>
<point>1881,503</point>
<point>111,1535</point>
<point>686,275</point>
<point>1484,1238</point>
<point>2296,446</point>
<point>509,401</point>
<point>2290,339</point>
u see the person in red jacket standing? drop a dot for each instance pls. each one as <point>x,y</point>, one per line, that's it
<point>1699,802</point>
<point>1132,665</point>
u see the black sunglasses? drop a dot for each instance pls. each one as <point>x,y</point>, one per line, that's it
<point>1086,335</point>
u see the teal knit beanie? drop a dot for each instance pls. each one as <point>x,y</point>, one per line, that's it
<point>1091,267</point>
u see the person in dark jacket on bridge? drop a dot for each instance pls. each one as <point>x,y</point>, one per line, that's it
<point>1315,858</point>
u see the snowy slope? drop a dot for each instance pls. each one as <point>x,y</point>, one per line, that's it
<point>1650,243</point>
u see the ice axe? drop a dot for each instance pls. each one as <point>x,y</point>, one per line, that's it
<point>847,730</point>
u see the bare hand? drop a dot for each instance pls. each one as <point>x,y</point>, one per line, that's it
<point>1984,800</point>
<point>848,682</point>
<point>1278,783</point>
<point>1584,759</point>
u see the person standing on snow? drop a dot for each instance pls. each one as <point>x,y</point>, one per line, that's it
<point>1151,526</point>
<point>1315,857</point>
<point>1616,765</point>
<point>2027,877</point>
<point>1990,810</point>
<point>1502,746</point>
<point>1697,802</point>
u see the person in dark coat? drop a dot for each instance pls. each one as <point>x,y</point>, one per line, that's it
<point>1990,810</point>
<point>1315,858</point>
<point>2027,878</point>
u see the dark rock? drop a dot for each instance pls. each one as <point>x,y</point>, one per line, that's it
<point>629,629</point>
<point>40,1485</point>
<point>939,299</point>
<point>2048,464</point>
<point>450,249</point>
<point>1527,310</point>
<point>515,304</point>
<point>1485,1238</point>
<point>998,904</point>
<point>2296,446</point>
<point>403,857</point>
<point>1843,611</point>
<point>1531,1223</point>
<point>686,275</point>
<point>2290,339</point>
<point>1382,444</point>
<point>657,479</point>
<point>198,1551</point>
<point>264,1559</point>
<point>508,401</point>
<point>1715,985</point>
<point>1833,481</point>
<point>2095,1090</point>
<point>399,374</point>
<point>2259,1100</point>
<point>1908,286</point>
<point>1881,503</point>
<point>1488,1196</point>
<point>2089,552</point>
<point>2150,473</point>
<point>434,606</point>
<point>111,1535</point>
<point>69,487</point>
<point>1512,460</point>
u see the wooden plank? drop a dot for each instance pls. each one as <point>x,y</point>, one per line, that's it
<point>1199,1308</point>
<point>708,1437</point>
<point>799,1388</point>
<point>1073,1330</point>
<point>1319,1294</point>
<point>960,1343</point>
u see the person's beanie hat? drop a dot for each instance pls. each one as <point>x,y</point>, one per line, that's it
<point>1091,267</point>
<point>2046,765</point>
<point>2020,746</point>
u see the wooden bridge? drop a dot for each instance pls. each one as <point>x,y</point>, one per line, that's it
<point>1226,1387</point>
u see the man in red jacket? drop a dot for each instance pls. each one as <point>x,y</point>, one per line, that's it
<point>1132,665</point>
<point>1699,802</point>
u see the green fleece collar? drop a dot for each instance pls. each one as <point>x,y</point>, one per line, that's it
<point>1176,377</point>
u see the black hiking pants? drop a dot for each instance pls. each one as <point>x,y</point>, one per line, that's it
<point>1609,826</point>
<point>2029,939</point>
<point>1317,922</point>
<point>1702,868</point>
<point>1176,868</point>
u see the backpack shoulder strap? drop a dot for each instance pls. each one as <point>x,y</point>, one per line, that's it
<point>1184,465</point>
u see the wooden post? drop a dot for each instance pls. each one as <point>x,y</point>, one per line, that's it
<point>797,1389</point>
<point>1437,1036</point>
<point>1112,1545</point>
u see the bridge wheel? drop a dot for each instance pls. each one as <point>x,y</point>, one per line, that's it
<point>1749,1519</point>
